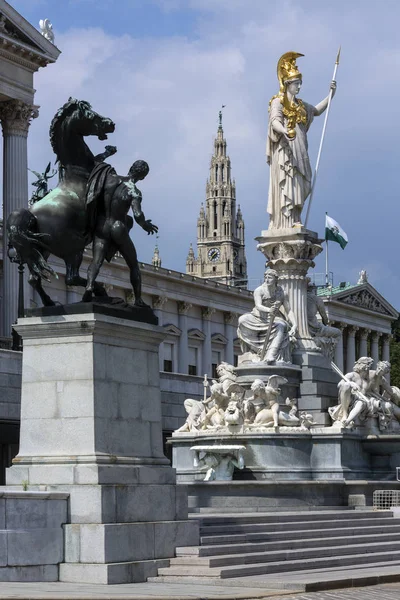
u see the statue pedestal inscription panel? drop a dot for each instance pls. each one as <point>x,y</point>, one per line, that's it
<point>91,426</point>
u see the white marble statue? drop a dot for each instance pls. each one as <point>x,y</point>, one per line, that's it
<point>366,398</point>
<point>287,146</point>
<point>326,337</point>
<point>363,278</point>
<point>267,334</point>
<point>219,460</point>
<point>46,29</point>
<point>266,402</point>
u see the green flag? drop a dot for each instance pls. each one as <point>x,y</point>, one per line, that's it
<point>334,232</point>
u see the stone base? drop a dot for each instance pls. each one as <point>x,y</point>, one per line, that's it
<point>91,427</point>
<point>318,387</point>
<point>248,372</point>
<point>319,454</point>
<point>264,496</point>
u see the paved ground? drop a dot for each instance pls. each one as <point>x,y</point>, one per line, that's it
<point>65,591</point>
<point>136,591</point>
<point>388,591</point>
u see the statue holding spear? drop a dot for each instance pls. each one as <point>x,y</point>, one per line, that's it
<point>287,145</point>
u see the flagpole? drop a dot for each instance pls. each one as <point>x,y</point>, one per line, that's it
<point>326,255</point>
<point>322,139</point>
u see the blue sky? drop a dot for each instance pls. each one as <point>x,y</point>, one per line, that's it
<point>162,68</point>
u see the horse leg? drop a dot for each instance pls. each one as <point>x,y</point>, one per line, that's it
<point>36,282</point>
<point>72,276</point>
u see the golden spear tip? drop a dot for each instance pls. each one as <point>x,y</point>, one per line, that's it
<point>338,55</point>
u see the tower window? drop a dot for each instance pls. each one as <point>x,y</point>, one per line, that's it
<point>216,172</point>
<point>222,173</point>
<point>215,215</point>
<point>214,269</point>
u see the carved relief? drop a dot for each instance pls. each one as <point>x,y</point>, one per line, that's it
<point>364,299</point>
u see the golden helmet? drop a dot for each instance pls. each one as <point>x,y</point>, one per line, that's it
<point>287,68</point>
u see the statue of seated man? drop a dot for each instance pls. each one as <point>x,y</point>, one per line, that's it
<point>266,333</point>
<point>355,398</point>
<point>326,335</point>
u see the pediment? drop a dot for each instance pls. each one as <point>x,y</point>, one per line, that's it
<point>172,329</point>
<point>21,39</point>
<point>366,297</point>
<point>218,338</point>
<point>196,334</point>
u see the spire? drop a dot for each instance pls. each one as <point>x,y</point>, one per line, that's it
<point>156,260</point>
<point>190,255</point>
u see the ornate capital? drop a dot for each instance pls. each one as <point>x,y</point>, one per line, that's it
<point>184,307</point>
<point>352,330</point>
<point>375,335</point>
<point>230,318</point>
<point>16,116</point>
<point>207,312</point>
<point>364,333</point>
<point>159,301</point>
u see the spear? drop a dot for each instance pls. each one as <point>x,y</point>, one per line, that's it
<point>322,138</point>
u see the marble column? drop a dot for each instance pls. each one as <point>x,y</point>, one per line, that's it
<point>230,323</point>
<point>339,347</point>
<point>158,303</point>
<point>386,351</point>
<point>351,348</point>
<point>207,349</point>
<point>364,333</point>
<point>15,117</point>
<point>375,345</point>
<point>183,351</point>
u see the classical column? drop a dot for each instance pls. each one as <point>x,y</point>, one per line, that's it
<point>386,351</point>
<point>339,347</point>
<point>386,347</point>
<point>230,319</point>
<point>351,348</point>
<point>375,345</point>
<point>183,351</point>
<point>158,303</point>
<point>207,350</point>
<point>364,333</point>
<point>16,117</point>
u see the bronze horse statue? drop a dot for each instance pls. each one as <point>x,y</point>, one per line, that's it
<point>58,223</point>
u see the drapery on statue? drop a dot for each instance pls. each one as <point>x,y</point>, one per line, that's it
<point>365,394</point>
<point>89,204</point>
<point>325,336</point>
<point>287,146</point>
<point>266,334</point>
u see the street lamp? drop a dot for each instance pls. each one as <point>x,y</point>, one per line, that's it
<point>15,258</point>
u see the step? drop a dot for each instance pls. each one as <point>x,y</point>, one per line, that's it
<point>284,555</point>
<point>286,544</point>
<point>242,538</point>
<point>257,527</point>
<point>305,581</point>
<point>278,566</point>
<point>241,519</point>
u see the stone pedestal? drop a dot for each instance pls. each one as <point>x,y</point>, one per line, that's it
<point>91,426</point>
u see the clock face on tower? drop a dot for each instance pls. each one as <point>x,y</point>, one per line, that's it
<point>214,254</point>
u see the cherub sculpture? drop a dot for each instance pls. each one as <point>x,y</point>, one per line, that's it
<point>268,414</point>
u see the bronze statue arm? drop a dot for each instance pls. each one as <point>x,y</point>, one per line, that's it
<point>109,151</point>
<point>138,214</point>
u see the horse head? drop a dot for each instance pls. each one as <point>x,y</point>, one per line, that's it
<point>72,122</point>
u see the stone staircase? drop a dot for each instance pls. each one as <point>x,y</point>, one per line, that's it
<point>234,546</point>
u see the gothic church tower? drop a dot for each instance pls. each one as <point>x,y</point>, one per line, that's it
<point>220,228</point>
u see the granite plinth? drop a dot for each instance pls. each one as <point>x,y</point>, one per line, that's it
<point>91,427</point>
